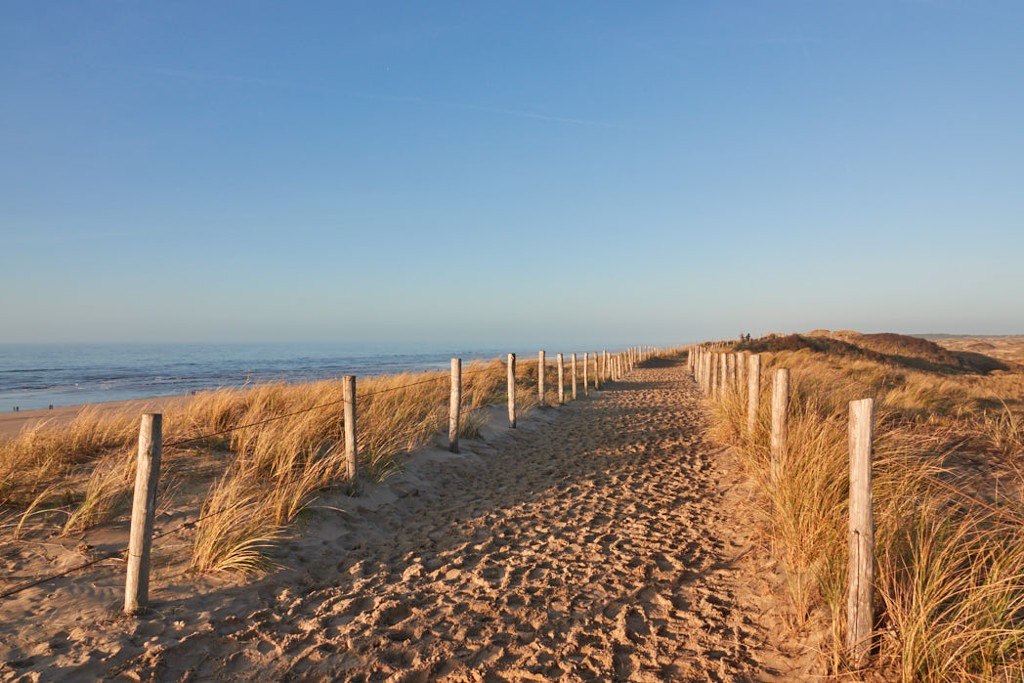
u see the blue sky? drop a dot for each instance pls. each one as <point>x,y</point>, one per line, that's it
<point>489,173</point>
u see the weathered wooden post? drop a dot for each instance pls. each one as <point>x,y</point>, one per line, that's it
<point>574,376</point>
<point>561,380</point>
<point>512,390</point>
<point>741,372</point>
<point>705,383</point>
<point>859,611</point>
<point>455,406</point>
<point>753,392</point>
<point>348,394</point>
<point>140,539</point>
<point>730,370</point>
<point>597,379</point>
<point>717,379</point>
<point>709,361</point>
<point>780,421</point>
<point>540,376</point>
<point>586,366</point>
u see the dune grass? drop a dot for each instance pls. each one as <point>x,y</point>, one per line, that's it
<point>950,557</point>
<point>249,483</point>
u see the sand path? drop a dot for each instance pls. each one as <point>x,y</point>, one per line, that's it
<point>607,543</point>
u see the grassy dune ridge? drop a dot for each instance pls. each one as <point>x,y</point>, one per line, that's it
<point>947,498</point>
<point>249,483</point>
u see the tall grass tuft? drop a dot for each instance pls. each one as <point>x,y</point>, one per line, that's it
<point>253,481</point>
<point>950,574</point>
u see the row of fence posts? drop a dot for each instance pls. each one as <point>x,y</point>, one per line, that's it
<point>606,367</point>
<point>717,371</point>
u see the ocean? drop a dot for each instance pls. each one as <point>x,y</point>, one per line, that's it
<point>34,376</point>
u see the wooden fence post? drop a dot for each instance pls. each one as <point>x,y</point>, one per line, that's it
<point>540,376</point>
<point>586,371</point>
<point>730,369</point>
<point>705,385</point>
<point>717,379</point>
<point>597,379</point>
<point>455,406</point>
<point>705,358</point>
<point>348,393</point>
<point>753,392</point>
<point>140,540</point>
<point>574,376</point>
<point>512,390</point>
<point>712,367</point>
<point>561,380</point>
<point>780,421</point>
<point>741,372</point>
<point>859,612</point>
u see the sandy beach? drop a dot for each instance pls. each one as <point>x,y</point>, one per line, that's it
<point>604,540</point>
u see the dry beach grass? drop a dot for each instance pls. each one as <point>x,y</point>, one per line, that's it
<point>609,539</point>
<point>67,478</point>
<point>604,539</point>
<point>947,499</point>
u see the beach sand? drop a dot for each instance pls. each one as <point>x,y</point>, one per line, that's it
<point>603,540</point>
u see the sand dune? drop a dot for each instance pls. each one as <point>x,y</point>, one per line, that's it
<point>605,540</point>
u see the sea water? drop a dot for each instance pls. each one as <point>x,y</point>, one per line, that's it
<point>34,376</point>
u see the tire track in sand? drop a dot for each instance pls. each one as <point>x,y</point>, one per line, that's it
<point>600,546</point>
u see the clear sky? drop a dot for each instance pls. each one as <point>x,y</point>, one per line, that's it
<point>516,172</point>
